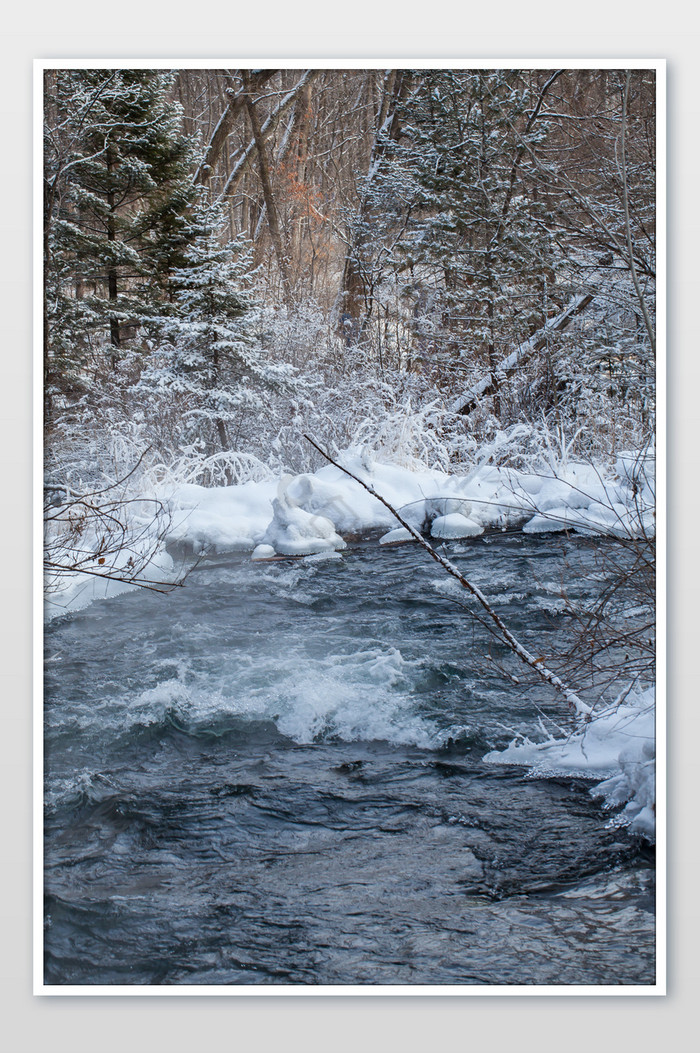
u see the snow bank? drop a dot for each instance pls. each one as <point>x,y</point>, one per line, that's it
<point>77,590</point>
<point>309,514</point>
<point>618,744</point>
<point>579,497</point>
<point>220,519</point>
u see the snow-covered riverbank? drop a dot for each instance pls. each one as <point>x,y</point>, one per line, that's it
<point>617,745</point>
<point>311,513</point>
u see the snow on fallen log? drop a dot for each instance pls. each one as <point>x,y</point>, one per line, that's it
<point>489,384</point>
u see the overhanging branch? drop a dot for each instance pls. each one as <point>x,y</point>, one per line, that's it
<point>576,704</point>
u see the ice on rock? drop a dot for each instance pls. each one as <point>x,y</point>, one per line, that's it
<point>295,532</point>
<point>634,787</point>
<point>263,552</point>
<point>445,506</point>
<point>395,536</point>
<point>455,525</point>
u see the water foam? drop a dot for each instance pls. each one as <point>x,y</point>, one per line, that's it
<point>362,696</point>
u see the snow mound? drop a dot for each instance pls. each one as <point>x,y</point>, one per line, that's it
<point>263,552</point>
<point>455,525</point>
<point>295,532</point>
<point>617,743</point>
<point>396,536</point>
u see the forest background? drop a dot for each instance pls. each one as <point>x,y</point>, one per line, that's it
<point>423,261</point>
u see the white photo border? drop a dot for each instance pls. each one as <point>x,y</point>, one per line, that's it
<point>659,987</point>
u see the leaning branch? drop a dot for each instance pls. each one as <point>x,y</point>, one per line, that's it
<point>244,160</point>
<point>576,705</point>
<point>235,106</point>
<point>490,383</point>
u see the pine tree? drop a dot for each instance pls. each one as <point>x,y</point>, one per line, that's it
<point>117,189</point>
<point>473,252</point>
<point>211,367</point>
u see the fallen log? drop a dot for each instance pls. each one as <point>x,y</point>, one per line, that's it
<point>491,382</point>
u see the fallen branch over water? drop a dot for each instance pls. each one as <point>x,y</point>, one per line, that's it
<point>576,704</point>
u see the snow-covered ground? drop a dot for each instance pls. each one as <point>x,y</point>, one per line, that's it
<point>311,513</point>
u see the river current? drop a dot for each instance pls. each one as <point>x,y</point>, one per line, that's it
<point>274,776</point>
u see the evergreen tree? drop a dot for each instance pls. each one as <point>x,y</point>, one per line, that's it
<point>211,367</point>
<point>117,189</point>
<point>473,252</point>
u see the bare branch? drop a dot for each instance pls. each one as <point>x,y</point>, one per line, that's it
<point>576,704</point>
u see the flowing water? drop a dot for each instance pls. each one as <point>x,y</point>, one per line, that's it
<point>275,776</point>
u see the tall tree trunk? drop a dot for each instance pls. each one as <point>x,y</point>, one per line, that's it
<point>354,297</point>
<point>234,107</point>
<point>270,206</point>
<point>112,288</point>
<point>243,160</point>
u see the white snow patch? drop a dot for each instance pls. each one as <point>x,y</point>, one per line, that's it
<point>455,525</point>
<point>396,536</point>
<point>263,552</point>
<point>617,744</point>
<point>579,497</point>
<point>77,590</point>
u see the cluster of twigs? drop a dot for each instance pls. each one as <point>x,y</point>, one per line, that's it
<point>104,533</point>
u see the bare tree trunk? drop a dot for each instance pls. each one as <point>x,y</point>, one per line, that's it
<point>628,228</point>
<point>354,297</point>
<point>470,400</point>
<point>235,106</point>
<point>270,206</point>
<point>243,161</point>
<point>491,346</point>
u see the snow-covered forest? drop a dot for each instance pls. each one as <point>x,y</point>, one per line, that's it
<point>442,281</point>
<point>236,257</point>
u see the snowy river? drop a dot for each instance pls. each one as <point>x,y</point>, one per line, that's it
<point>275,776</point>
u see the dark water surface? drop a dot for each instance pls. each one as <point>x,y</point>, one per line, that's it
<point>275,775</point>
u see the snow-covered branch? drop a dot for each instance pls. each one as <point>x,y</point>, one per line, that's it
<point>470,399</point>
<point>576,704</point>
